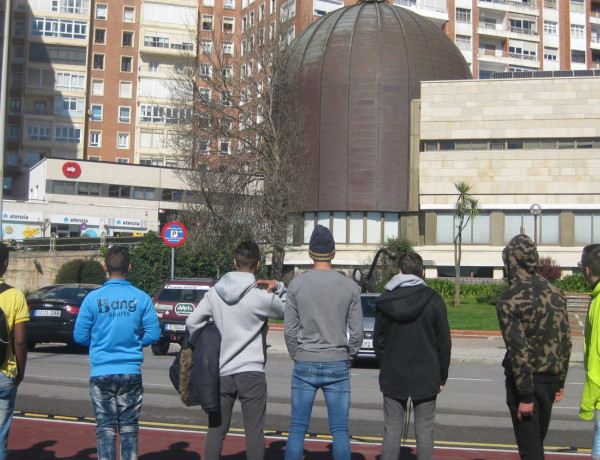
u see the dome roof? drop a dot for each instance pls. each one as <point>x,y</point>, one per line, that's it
<point>359,67</point>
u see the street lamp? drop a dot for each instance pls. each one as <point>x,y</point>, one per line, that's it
<point>536,210</point>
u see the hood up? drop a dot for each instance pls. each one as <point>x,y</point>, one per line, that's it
<point>520,256</point>
<point>235,285</point>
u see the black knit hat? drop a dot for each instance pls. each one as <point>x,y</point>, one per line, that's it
<point>321,247</point>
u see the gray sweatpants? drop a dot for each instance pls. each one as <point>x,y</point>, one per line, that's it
<point>251,389</point>
<point>393,417</point>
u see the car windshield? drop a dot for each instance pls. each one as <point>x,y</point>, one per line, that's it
<point>368,306</point>
<point>181,295</point>
<point>71,294</point>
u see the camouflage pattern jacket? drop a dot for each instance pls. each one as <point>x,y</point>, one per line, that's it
<point>533,318</point>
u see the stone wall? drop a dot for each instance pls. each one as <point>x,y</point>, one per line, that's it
<point>23,275</point>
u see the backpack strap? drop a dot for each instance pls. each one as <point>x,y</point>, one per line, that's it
<point>4,287</point>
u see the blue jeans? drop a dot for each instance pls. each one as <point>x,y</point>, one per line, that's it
<point>334,379</point>
<point>117,400</point>
<point>596,446</point>
<point>8,393</point>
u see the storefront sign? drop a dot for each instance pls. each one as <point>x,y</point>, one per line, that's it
<point>71,169</point>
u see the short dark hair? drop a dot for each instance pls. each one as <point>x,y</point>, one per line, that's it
<point>117,260</point>
<point>4,253</point>
<point>591,258</point>
<point>247,255</point>
<point>411,263</point>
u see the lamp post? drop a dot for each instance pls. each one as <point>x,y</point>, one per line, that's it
<point>536,210</point>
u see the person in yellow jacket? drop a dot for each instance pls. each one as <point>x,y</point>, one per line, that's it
<point>590,396</point>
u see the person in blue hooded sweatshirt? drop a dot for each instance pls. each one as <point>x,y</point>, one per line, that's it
<point>412,345</point>
<point>116,321</point>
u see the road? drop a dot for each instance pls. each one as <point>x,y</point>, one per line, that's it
<point>471,409</point>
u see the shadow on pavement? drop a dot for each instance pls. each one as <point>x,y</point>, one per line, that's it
<point>38,452</point>
<point>175,451</point>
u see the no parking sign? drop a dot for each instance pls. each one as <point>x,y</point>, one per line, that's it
<point>174,234</point>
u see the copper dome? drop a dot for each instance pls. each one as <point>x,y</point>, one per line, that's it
<point>359,67</point>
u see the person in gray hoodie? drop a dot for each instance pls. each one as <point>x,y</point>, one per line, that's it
<point>240,310</point>
<point>412,345</point>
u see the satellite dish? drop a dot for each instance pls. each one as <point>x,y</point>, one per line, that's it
<point>38,266</point>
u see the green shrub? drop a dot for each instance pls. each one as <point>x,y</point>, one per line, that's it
<point>492,293</point>
<point>81,271</point>
<point>444,288</point>
<point>572,283</point>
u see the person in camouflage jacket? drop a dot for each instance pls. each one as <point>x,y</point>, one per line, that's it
<point>533,318</point>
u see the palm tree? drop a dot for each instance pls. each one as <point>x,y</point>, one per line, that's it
<point>466,209</point>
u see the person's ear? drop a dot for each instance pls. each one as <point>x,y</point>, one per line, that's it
<point>258,264</point>
<point>235,264</point>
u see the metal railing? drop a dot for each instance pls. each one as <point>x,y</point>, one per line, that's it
<point>55,243</point>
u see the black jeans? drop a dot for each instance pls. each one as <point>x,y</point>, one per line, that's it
<point>531,431</point>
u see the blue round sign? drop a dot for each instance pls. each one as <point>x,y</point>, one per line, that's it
<point>174,234</point>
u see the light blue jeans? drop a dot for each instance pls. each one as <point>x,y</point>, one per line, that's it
<point>334,379</point>
<point>117,400</point>
<point>8,393</point>
<point>596,446</point>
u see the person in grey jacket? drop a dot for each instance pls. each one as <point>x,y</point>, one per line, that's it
<point>323,333</point>
<point>240,311</point>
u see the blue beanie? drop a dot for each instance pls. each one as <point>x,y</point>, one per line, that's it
<point>321,247</point>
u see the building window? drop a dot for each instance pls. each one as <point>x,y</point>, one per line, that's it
<point>38,132</point>
<point>228,48</point>
<point>126,63</point>
<point>261,12</point>
<point>155,41</point>
<point>14,133</point>
<point>587,228</point>
<point>463,42</point>
<point>207,22</point>
<point>63,187</point>
<point>224,146</point>
<point>123,161</point>
<point>64,28</point>
<point>70,81</point>
<point>143,193</point>
<point>119,191</point>
<point>152,139</point>
<point>98,87</point>
<point>87,188</point>
<point>153,66</point>
<point>228,25</point>
<point>229,4</point>
<point>463,15</point>
<point>577,6</point>
<point>124,114</point>
<point>98,63</point>
<point>476,232</point>
<point>550,54</point>
<point>127,40</point>
<point>205,70</point>
<point>206,46</point>
<point>15,106</point>
<point>548,226</point>
<point>122,140</point>
<point>68,106</point>
<point>100,36</point>
<point>101,11</point>
<point>128,14</point>
<point>577,31</point>
<point>578,57</point>
<point>208,2</point>
<point>125,89</point>
<point>96,114</point>
<point>227,72</point>
<point>69,134</point>
<point>550,28</point>
<point>95,138</point>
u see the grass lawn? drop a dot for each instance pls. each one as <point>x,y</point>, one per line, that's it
<point>472,316</point>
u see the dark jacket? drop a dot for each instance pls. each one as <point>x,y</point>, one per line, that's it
<point>533,318</point>
<point>195,372</point>
<point>411,339</point>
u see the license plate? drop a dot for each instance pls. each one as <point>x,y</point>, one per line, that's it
<point>367,343</point>
<point>46,313</point>
<point>175,327</point>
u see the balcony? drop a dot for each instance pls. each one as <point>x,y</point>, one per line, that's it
<point>421,7</point>
<point>595,17</point>
<point>504,57</point>
<point>499,31</point>
<point>595,42</point>
<point>508,5</point>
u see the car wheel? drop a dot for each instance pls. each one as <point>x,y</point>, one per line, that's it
<point>31,346</point>
<point>161,347</point>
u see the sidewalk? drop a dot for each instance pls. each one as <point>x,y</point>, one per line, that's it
<point>467,346</point>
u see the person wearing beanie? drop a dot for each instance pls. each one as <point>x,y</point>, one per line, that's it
<point>323,328</point>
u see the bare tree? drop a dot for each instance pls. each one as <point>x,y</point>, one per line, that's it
<point>242,137</point>
<point>466,209</point>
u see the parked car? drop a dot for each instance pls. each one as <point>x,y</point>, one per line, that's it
<point>174,302</point>
<point>368,307</point>
<point>53,311</point>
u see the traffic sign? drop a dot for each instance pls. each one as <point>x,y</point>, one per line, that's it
<point>174,234</point>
